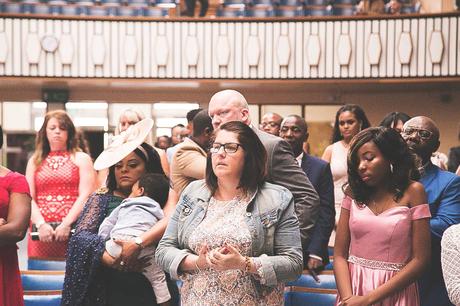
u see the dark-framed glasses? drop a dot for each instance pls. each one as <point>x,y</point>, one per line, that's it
<point>229,147</point>
<point>422,133</point>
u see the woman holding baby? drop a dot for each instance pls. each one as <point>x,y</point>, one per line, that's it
<point>93,277</point>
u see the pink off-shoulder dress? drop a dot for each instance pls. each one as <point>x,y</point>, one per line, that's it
<point>380,246</point>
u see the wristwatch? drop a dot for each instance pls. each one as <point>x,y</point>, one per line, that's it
<point>138,241</point>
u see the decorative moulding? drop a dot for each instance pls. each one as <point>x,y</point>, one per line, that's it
<point>130,48</point>
<point>161,50</point>
<point>192,50</point>
<point>313,50</point>
<point>253,50</point>
<point>98,50</point>
<point>33,48</point>
<point>374,49</point>
<point>222,51</point>
<point>436,47</point>
<point>283,50</point>
<point>344,49</point>
<point>405,48</point>
<point>3,47</point>
<point>66,49</point>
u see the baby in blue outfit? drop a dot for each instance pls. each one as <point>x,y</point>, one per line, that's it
<point>134,216</point>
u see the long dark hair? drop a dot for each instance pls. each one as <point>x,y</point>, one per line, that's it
<point>152,164</point>
<point>255,158</point>
<point>394,149</point>
<point>359,114</point>
<point>392,118</point>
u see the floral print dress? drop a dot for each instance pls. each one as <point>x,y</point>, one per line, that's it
<point>225,223</point>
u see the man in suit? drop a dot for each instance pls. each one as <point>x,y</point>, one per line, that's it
<point>294,130</point>
<point>189,160</point>
<point>443,191</point>
<point>282,168</point>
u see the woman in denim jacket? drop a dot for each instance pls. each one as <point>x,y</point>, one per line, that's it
<point>234,239</point>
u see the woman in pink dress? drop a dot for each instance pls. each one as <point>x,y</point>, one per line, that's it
<point>383,236</point>
<point>60,177</point>
<point>14,218</point>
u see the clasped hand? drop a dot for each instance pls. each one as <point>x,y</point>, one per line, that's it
<point>355,300</point>
<point>223,258</point>
<point>48,234</point>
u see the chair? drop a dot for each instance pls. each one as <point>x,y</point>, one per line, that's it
<point>326,281</point>
<point>155,12</point>
<point>235,3</point>
<point>42,298</point>
<point>38,264</point>
<point>294,296</point>
<point>164,3</point>
<point>260,11</point>
<point>317,11</point>
<point>129,11</point>
<point>318,2</point>
<point>12,8</point>
<point>223,11</point>
<point>261,2</point>
<point>42,280</point>
<point>341,2</point>
<point>289,11</point>
<point>344,10</point>
<point>295,3</point>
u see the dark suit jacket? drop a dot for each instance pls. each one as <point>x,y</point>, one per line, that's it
<point>284,170</point>
<point>319,173</point>
<point>443,192</point>
<point>454,159</point>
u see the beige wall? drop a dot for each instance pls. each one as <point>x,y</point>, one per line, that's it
<point>439,100</point>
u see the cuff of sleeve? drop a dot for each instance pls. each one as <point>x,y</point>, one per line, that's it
<point>173,270</point>
<point>315,257</point>
<point>265,270</point>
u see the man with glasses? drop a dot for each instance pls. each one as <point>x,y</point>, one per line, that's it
<point>294,130</point>
<point>271,123</point>
<point>443,191</point>
<point>230,105</point>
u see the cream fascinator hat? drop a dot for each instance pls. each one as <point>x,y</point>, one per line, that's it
<point>123,144</point>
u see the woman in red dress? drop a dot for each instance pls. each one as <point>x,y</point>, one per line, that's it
<point>14,218</point>
<point>60,177</point>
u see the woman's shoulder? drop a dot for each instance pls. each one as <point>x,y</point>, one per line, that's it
<point>82,157</point>
<point>275,193</point>
<point>415,194</point>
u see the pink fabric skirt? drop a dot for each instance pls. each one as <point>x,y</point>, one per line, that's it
<point>366,279</point>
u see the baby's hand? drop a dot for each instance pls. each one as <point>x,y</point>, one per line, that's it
<point>2,221</point>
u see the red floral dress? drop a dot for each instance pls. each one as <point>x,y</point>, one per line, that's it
<point>56,189</point>
<point>10,280</point>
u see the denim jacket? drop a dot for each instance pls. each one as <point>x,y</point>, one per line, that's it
<point>271,220</point>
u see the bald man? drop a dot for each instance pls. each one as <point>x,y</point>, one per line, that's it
<point>443,190</point>
<point>271,123</point>
<point>283,169</point>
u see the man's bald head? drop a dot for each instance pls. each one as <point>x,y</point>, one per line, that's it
<point>271,123</point>
<point>228,105</point>
<point>422,136</point>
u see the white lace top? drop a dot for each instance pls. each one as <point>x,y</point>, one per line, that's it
<point>225,223</point>
<point>450,259</point>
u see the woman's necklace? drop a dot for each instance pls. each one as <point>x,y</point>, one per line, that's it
<point>383,206</point>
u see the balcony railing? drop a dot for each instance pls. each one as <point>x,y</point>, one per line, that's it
<point>414,46</point>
